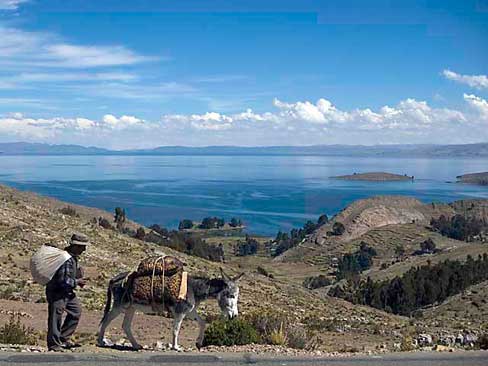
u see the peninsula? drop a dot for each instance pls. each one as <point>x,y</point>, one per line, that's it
<point>375,177</point>
<point>474,178</point>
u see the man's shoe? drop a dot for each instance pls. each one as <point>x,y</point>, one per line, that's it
<point>56,349</point>
<point>70,345</point>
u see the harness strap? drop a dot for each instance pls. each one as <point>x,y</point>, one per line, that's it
<point>156,260</point>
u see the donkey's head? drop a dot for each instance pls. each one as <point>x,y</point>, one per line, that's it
<point>229,295</point>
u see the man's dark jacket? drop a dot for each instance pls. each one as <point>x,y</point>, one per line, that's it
<point>64,281</point>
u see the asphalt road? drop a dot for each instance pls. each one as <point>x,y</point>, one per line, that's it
<point>473,358</point>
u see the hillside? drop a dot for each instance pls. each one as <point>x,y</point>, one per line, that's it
<point>383,222</point>
<point>470,308</point>
<point>364,215</point>
<point>386,224</point>
<point>28,220</point>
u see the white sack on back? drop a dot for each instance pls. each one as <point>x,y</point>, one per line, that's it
<point>46,262</point>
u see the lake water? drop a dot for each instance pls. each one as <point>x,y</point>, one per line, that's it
<point>269,193</point>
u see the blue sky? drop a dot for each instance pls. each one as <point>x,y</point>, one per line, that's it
<point>125,74</point>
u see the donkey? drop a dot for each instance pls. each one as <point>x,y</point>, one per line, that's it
<point>225,290</point>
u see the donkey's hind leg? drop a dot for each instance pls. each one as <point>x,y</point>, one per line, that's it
<point>127,324</point>
<point>193,315</point>
<point>107,319</point>
<point>178,319</point>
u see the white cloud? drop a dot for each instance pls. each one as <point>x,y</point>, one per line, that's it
<point>20,49</point>
<point>474,81</point>
<point>122,122</point>
<point>25,102</point>
<point>41,129</point>
<point>66,77</point>
<point>90,56</point>
<point>299,123</point>
<point>11,4</point>
<point>409,113</point>
<point>221,79</point>
<point>322,112</point>
<point>478,104</point>
<point>134,91</point>
<point>84,124</point>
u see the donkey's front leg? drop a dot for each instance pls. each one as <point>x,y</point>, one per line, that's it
<point>194,316</point>
<point>178,319</point>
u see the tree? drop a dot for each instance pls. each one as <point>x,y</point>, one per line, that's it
<point>140,233</point>
<point>323,219</point>
<point>285,241</point>
<point>313,282</point>
<point>338,228</point>
<point>352,264</point>
<point>418,287</point>
<point>212,223</point>
<point>427,246</point>
<point>235,222</point>
<point>248,247</point>
<point>160,230</point>
<point>458,227</point>
<point>185,224</point>
<point>399,250</point>
<point>309,227</point>
<point>119,217</point>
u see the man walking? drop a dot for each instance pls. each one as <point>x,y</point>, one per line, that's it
<point>62,298</point>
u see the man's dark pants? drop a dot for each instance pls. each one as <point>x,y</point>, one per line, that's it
<point>59,332</point>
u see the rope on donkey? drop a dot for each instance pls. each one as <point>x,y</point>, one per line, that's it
<point>156,260</point>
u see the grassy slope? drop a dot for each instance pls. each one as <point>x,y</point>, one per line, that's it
<point>312,258</point>
<point>28,220</point>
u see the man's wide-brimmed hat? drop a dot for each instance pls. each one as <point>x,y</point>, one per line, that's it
<point>79,239</point>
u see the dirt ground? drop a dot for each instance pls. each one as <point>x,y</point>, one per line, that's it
<point>148,329</point>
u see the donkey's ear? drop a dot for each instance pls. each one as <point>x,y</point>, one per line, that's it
<point>238,277</point>
<point>224,275</point>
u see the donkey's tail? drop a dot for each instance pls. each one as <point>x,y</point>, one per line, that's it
<point>108,304</point>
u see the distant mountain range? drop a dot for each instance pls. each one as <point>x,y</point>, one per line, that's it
<point>432,151</point>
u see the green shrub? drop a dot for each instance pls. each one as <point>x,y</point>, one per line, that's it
<point>267,323</point>
<point>103,222</point>
<point>140,233</point>
<point>407,344</point>
<point>278,337</point>
<point>264,272</point>
<point>230,332</point>
<point>7,292</point>
<point>14,332</point>
<point>299,338</point>
<point>69,211</point>
<point>277,329</point>
<point>315,282</point>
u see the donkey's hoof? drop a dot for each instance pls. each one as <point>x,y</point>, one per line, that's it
<point>175,348</point>
<point>105,342</point>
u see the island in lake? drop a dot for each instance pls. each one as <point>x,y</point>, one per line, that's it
<point>474,178</point>
<point>375,177</point>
